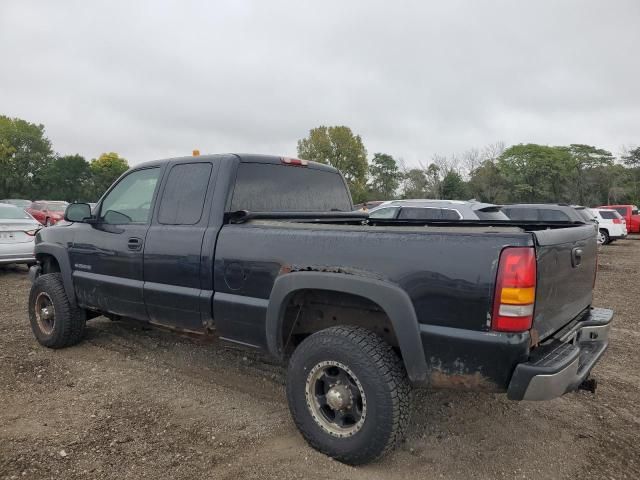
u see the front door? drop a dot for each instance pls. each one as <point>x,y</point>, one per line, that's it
<point>107,256</point>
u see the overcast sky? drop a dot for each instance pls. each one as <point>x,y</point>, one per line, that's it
<point>153,79</point>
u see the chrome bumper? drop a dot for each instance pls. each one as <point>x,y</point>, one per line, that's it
<point>561,365</point>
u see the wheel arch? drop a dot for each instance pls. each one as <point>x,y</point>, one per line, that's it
<point>391,299</point>
<point>45,251</point>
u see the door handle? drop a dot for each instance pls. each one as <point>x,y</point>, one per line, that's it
<point>576,257</point>
<point>134,243</point>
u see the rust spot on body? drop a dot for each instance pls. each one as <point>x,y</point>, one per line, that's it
<point>462,381</point>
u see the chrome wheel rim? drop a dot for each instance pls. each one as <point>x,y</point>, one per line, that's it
<point>335,398</point>
<point>45,313</point>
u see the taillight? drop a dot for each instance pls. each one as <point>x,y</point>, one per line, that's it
<point>515,290</point>
<point>294,161</point>
<point>617,221</point>
<point>32,233</point>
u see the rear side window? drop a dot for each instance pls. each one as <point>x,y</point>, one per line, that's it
<point>522,214</point>
<point>428,213</point>
<point>608,215</point>
<point>585,214</point>
<point>389,212</point>
<point>184,194</point>
<point>553,216</point>
<point>266,187</point>
<point>491,213</point>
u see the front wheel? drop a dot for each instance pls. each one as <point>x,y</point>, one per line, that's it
<point>56,322</point>
<point>348,394</point>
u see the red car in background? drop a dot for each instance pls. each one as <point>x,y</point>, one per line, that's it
<point>630,215</point>
<point>47,213</point>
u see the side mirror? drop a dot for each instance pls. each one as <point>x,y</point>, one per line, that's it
<point>77,212</point>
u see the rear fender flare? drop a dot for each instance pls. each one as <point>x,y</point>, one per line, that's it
<point>392,300</point>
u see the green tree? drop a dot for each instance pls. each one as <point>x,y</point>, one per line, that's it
<point>415,184</point>
<point>632,160</point>
<point>24,152</point>
<point>453,186</point>
<point>536,173</point>
<point>384,177</point>
<point>339,147</point>
<point>583,159</point>
<point>487,184</point>
<point>67,178</point>
<point>104,171</point>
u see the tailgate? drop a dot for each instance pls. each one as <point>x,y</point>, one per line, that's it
<point>567,260</point>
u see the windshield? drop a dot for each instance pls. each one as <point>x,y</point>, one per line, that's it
<point>9,212</point>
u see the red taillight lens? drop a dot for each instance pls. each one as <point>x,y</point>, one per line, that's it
<point>617,221</point>
<point>515,290</point>
<point>294,161</point>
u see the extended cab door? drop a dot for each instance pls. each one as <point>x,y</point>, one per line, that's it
<point>106,256</point>
<point>173,257</point>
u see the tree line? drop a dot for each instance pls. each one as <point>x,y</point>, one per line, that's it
<point>526,173</point>
<point>576,173</point>
<point>30,169</point>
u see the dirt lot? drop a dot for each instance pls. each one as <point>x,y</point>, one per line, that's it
<point>133,402</point>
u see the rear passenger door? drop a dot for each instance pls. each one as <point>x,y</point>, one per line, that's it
<point>173,251</point>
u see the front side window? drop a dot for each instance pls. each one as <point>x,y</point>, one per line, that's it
<point>130,200</point>
<point>389,212</point>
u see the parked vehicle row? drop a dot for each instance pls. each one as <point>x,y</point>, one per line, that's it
<point>47,212</point>
<point>17,235</point>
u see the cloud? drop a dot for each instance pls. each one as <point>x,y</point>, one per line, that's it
<point>156,79</point>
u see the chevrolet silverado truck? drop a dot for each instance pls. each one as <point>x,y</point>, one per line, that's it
<point>266,252</point>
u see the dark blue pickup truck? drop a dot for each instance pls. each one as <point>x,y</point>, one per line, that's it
<point>266,252</point>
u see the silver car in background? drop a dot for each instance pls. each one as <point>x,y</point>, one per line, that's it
<point>436,210</point>
<point>17,235</point>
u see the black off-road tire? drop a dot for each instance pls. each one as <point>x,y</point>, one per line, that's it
<point>605,234</point>
<point>383,379</point>
<point>67,328</point>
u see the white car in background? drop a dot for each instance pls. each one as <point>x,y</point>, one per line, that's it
<point>17,235</point>
<point>611,224</point>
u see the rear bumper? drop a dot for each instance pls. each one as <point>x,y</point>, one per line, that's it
<point>562,364</point>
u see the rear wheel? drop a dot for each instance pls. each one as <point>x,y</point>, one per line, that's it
<point>56,323</point>
<point>605,237</point>
<point>348,394</point>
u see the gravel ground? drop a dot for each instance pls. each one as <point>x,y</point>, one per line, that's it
<point>132,402</point>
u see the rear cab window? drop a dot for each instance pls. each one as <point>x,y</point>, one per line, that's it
<point>268,187</point>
